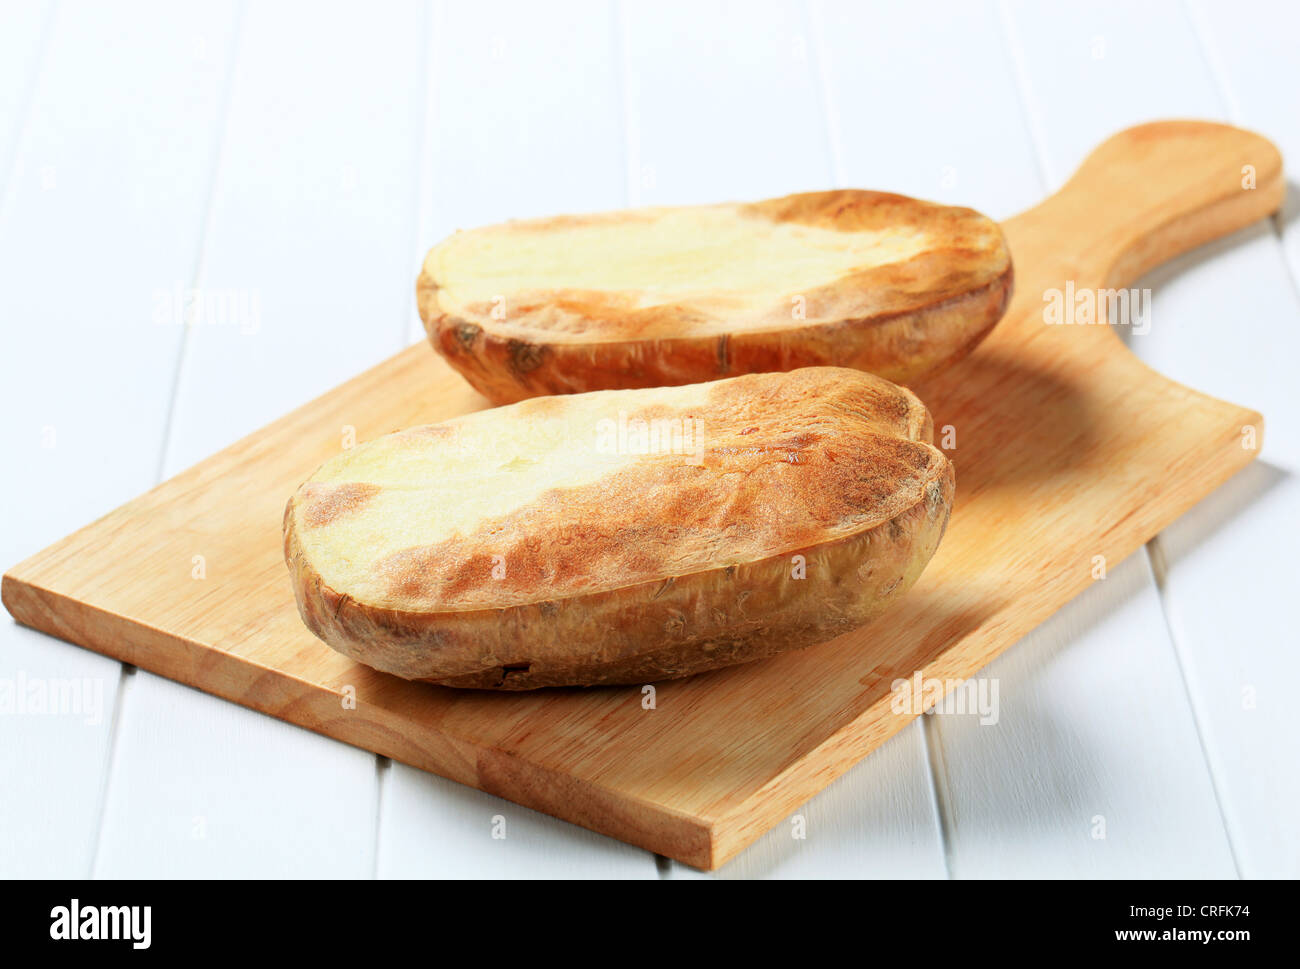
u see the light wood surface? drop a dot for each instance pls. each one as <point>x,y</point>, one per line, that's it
<point>1067,448</point>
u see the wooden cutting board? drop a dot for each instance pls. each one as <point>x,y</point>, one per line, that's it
<point>1067,448</point>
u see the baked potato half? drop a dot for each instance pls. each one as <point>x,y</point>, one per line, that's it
<point>668,296</point>
<point>621,536</point>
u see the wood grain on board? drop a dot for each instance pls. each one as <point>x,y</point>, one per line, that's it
<point>1067,448</point>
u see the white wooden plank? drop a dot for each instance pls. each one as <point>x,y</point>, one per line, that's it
<point>724,102</point>
<point>1228,586</point>
<point>102,211</point>
<point>878,820</point>
<point>200,788</point>
<point>527,113</point>
<point>24,30</point>
<point>1092,768</point>
<point>41,840</point>
<point>312,219</point>
<point>1224,320</point>
<point>310,226</point>
<point>1080,92</point>
<point>1098,67</point>
<point>106,196</point>
<point>526,120</point>
<point>933,110</point>
<point>1225,575</point>
<point>431,827</point>
<point>52,752</point>
<point>1227,579</point>
<point>1251,55</point>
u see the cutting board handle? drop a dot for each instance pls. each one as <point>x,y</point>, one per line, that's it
<point>1151,193</point>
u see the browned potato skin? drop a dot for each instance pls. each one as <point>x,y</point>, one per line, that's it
<point>669,628</point>
<point>902,321</point>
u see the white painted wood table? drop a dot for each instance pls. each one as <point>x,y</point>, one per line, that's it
<point>297,160</point>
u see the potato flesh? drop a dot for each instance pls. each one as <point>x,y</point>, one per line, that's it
<point>710,254</point>
<point>434,488</point>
